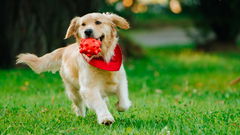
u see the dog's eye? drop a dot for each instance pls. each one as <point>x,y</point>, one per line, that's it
<point>83,24</point>
<point>98,22</point>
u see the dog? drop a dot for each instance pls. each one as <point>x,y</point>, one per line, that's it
<point>86,85</point>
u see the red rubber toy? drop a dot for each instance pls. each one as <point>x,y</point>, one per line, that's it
<point>90,46</point>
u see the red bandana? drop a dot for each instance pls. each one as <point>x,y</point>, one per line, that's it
<point>114,64</point>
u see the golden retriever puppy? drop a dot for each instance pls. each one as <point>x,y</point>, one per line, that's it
<point>86,85</point>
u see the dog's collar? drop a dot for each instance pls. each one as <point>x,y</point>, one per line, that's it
<point>114,64</point>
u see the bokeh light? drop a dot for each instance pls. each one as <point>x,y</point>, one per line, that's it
<point>127,3</point>
<point>175,6</point>
<point>139,8</point>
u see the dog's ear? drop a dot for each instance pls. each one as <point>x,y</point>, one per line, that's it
<point>72,27</point>
<point>118,21</point>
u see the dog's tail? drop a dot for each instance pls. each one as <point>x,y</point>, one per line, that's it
<point>48,62</point>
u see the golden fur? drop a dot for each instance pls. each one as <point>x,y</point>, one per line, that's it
<point>86,85</point>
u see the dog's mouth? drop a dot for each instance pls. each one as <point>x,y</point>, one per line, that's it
<point>99,38</point>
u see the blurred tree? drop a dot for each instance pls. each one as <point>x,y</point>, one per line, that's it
<point>37,26</point>
<point>222,17</point>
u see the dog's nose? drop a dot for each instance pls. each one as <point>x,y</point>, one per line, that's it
<point>88,32</point>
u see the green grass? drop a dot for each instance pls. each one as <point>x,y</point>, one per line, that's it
<point>173,90</point>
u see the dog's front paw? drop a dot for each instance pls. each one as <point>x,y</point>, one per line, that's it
<point>106,120</point>
<point>124,106</point>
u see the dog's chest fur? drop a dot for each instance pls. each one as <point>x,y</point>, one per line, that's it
<point>79,73</point>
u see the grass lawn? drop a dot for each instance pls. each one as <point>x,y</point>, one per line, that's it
<point>176,91</point>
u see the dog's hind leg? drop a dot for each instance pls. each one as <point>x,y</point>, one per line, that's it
<point>77,102</point>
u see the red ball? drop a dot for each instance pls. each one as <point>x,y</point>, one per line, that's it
<point>90,46</point>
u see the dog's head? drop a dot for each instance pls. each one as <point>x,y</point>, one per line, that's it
<point>99,26</point>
